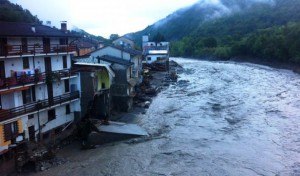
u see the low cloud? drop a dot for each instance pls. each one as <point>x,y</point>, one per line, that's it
<point>212,9</point>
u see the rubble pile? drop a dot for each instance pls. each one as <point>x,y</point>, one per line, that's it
<point>154,80</point>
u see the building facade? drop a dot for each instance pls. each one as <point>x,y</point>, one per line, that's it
<point>124,42</point>
<point>39,95</point>
<point>96,80</point>
<point>155,52</point>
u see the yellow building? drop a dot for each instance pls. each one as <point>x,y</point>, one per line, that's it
<point>96,80</point>
<point>10,132</point>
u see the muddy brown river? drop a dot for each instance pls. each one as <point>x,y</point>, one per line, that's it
<point>221,118</point>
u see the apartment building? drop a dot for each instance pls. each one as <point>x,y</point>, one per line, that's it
<point>155,52</point>
<point>39,95</point>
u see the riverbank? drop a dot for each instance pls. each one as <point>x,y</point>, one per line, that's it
<point>68,156</point>
<point>242,59</point>
<point>280,65</point>
<point>211,125</point>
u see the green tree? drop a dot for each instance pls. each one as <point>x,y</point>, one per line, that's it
<point>113,37</point>
<point>15,13</point>
<point>158,37</point>
<point>210,42</point>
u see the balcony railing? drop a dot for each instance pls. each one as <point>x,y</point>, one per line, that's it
<point>24,78</point>
<point>6,114</point>
<point>20,50</point>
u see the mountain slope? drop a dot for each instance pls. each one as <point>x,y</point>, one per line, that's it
<point>227,16</point>
<point>15,13</point>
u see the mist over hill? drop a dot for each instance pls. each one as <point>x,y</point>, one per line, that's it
<point>267,29</point>
<point>207,14</point>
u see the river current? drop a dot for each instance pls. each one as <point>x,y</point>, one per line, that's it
<point>221,118</point>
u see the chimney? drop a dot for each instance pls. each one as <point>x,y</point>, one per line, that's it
<point>33,28</point>
<point>63,26</point>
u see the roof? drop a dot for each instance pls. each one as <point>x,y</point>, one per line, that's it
<point>129,50</point>
<point>123,37</point>
<point>115,60</point>
<point>84,44</point>
<point>110,71</point>
<point>25,29</point>
<point>118,48</point>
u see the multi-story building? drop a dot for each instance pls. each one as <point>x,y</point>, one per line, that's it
<point>39,95</point>
<point>155,52</point>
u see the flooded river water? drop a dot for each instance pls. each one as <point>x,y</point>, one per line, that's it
<point>220,118</point>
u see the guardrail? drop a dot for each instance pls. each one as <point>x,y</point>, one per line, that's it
<point>6,114</point>
<point>25,78</point>
<point>19,50</point>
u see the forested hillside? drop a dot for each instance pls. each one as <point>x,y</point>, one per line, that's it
<point>267,29</point>
<point>15,13</point>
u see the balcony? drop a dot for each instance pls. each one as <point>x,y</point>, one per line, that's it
<point>32,50</point>
<point>25,79</point>
<point>6,114</point>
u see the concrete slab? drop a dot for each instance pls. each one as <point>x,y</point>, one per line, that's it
<point>123,128</point>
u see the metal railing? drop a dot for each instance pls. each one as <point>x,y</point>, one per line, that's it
<point>19,50</point>
<point>6,114</point>
<point>25,79</point>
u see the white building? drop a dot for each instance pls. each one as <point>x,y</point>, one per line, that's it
<point>39,95</point>
<point>155,52</point>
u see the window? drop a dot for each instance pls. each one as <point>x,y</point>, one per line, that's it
<point>26,95</point>
<point>31,116</point>
<point>25,62</point>
<point>67,85</point>
<point>51,115</point>
<point>65,63</point>
<point>63,41</point>
<point>149,58</point>
<point>33,93</point>
<point>10,131</point>
<point>2,69</point>
<point>68,110</point>
<point>31,131</point>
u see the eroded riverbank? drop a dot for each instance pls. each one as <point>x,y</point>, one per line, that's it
<point>223,118</point>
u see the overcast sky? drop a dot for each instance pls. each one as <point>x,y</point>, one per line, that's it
<point>103,17</point>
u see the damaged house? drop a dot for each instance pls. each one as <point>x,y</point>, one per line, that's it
<point>127,66</point>
<point>39,95</point>
<point>95,80</point>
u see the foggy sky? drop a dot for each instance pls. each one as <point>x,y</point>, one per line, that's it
<point>104,17</point>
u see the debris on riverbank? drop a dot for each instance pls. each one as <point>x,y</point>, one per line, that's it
<point>154,81</point>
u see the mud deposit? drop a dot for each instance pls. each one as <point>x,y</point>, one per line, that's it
<point>220,118</point>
